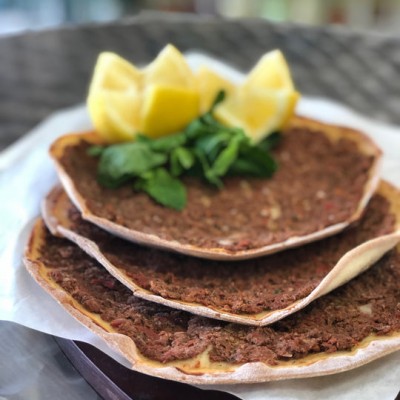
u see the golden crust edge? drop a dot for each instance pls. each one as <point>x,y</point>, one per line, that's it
<point>340,274</point>
<point>247,373</point>
<point>365,144</point>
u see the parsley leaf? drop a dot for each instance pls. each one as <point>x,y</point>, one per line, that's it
<point>181,159</point>
<point>122,162</point>
<point>95,150</point>
<point>163,188</point>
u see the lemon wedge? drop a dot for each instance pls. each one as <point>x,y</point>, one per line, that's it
<point>209,84</point>
<point>270,72</point>
<point>157,100</point>
<point>169,68</point>
<point>170,96</point>
<point>112,72</point>
<point>258,112</point>
<point>112,114</point>
<point>266,100</point>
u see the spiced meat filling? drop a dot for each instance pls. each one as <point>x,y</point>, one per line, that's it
<point>240,287</point>
<point>319,183</point>
<point>368,305</point>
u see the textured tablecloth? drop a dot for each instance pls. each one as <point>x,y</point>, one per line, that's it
<point>44,71</point>
<point>41,72</point>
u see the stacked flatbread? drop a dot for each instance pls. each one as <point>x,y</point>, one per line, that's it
<point>292,276</point>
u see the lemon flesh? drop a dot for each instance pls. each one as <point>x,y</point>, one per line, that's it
<point>209,84</point>
<point>265,101</point>
<point>271,72</point>
<point>112,115</point>
<point>112,72</point>
<point>258,112</point>
<point>169,68</point>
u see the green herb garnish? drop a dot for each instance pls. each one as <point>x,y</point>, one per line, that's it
<point>205,149</point>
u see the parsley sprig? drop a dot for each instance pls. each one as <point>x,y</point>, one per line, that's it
<point>205,149</point>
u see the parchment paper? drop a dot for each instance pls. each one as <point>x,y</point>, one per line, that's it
<point>27,174</point>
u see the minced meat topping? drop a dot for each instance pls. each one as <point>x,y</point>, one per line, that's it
<point>244,287</point>
<point>319,183</point>
<point>369,304</point>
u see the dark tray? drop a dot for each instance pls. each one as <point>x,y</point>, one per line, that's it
<point>113,381</point>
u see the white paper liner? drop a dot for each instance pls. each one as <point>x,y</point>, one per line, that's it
<point>27,174</point>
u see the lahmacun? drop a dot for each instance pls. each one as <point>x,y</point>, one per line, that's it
<point>325,178</point>
<point>254,292</point>
<point>349,327</point>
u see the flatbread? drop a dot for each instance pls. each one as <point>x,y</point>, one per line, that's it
<point>253,292</point>
<point>325,178</point>
<point>345,329</point>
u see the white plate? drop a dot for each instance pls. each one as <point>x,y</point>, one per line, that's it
<point>27,174</point>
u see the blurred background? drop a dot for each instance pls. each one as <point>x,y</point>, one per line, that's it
<point>376,15</point>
